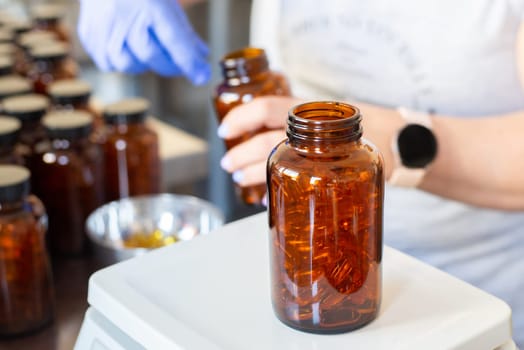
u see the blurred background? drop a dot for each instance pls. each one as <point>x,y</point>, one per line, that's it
<point>174,100</point>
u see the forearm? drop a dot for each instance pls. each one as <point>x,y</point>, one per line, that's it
<point>480,161</point>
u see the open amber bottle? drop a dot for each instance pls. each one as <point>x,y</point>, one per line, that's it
<point>247,75</point>
<point>26,296</point>
<point>325,186</point>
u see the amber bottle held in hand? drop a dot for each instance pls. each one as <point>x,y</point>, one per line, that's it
<point>247,75</point>
<point>26,296</point>
<point>325,214</point>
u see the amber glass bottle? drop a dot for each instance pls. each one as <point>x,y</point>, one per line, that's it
<point>132,159</point>
<point>325,214</point>
<point>73,94</point>
<point>26,296</point>
<point>29,109</point>
<point>51,62</point>
<point>67,177</point>
<point>247,75</point>
<point>48,17</point>
<point>9,133</point>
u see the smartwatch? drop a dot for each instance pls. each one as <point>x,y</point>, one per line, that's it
<point>414,149</point>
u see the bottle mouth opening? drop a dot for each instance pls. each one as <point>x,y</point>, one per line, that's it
<point>324,120</point>
<point>330,112</point>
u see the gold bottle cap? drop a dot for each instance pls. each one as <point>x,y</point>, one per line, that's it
<point>9,125</point>
<point>69,88</point>
<point>14,84</point>
<point>67,119</point>
<point>25,103</point>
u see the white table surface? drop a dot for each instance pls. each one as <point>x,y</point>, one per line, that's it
<point>213,293</point>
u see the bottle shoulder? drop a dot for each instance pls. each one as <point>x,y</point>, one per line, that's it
<point>356,155</point>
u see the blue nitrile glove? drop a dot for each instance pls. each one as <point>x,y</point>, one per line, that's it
<point>133,36</point>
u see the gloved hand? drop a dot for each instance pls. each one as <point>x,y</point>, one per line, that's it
<point>133,36</point>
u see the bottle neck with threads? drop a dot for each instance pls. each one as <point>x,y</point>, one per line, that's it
<point>244,66</point>
<point>323,127</point>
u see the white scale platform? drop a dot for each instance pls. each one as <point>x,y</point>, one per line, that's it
<point>213,293</point>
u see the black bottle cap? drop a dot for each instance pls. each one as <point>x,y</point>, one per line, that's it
<point>9,131</point>
<point>6,65</point>
<point>6,35</point>
<point>68,124</point>
<point>13,85</point>
<point>14,183</point>
<point>50,51</point>
<point>28,107</point>
<point>47,12</point>
<point>7,49</point>
<point>36,38</point>
<point>69,91</point>
<point>19,26</point>
<point>126,111</point>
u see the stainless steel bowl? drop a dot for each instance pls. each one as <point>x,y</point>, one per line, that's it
<point>183,217</point>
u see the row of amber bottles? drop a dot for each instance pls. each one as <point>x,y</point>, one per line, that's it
<point>76,165</point>
<point>37,50</point>
<point>33,55</point>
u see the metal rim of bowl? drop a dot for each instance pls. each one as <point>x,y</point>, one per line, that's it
<point>214,211</point>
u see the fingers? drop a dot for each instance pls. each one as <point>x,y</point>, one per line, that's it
<point>253,174</point>
<point>267,111</point>
<point>252,151</point>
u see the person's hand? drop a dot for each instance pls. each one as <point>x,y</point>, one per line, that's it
<point>133,36</point>
<point>247,161</point>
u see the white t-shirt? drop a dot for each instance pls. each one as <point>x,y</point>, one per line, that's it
<point>444,56</point>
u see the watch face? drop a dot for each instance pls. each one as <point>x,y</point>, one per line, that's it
<point>417,146</point>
